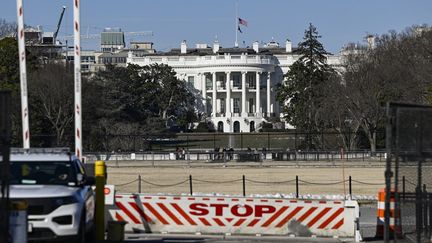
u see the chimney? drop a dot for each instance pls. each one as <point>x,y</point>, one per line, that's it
<point>288,46</point>
<point>216,46</point>
<point>183,47</point>
<point>255,46</point>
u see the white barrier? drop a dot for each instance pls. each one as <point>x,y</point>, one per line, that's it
<point>235,215</point>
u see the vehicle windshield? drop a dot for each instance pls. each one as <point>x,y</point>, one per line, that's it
<point>42,173</point>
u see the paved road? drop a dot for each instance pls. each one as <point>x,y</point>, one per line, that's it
<point>134,238</point>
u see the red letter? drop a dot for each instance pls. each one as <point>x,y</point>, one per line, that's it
<point>200,209</point>
<point>219,208</point>
<point>248,210</point>
<point>261,209</point>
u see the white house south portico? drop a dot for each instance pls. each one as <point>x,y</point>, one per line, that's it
<point>237,85</point>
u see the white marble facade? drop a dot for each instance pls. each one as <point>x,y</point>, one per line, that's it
<point>237,85</point>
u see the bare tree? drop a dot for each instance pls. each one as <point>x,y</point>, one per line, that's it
<point>398,69</point>
<point>51,93</point>
<point>7,28</point>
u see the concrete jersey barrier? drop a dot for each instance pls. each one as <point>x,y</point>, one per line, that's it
<point>234,215</point>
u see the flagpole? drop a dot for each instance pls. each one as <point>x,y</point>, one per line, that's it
<point>236,25</point>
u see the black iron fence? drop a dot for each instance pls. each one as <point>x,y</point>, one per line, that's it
<point>239,141</point>
<point>408,173</point>
<point>223,155</point>
<point>140,184</point>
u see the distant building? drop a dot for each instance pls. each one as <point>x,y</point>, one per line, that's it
<point>112,40</point>
<point>237,85</point>
<point>43,45</point>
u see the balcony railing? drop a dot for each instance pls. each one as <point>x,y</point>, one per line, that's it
<point>203,60</point>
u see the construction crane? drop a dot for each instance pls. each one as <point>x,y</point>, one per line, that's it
<point>58,25</point>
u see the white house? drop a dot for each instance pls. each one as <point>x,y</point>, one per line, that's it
<point>238,85</point>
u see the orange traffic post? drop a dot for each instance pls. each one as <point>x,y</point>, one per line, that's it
<point>381,212</point>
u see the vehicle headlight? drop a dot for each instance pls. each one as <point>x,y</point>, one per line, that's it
<point>64,200</point>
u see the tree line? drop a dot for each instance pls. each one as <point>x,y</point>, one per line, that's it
<point>115,100</point>
<point>351,100</point>
<point>316,98</point>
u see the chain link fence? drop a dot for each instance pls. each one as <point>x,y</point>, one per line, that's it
<point>408,176</point>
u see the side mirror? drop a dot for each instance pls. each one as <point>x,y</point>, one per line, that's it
<point>90,181</point>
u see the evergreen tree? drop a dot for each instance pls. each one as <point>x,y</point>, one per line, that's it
<point>301,93</point>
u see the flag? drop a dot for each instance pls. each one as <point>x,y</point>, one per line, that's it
<point>242,22</point>
<point>238,28</point>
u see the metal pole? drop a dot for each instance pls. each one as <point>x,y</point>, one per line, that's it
<point>23,76</point>
<point>244,186</point>
<point>5,136</point>
<point>297,187</point>
<point>350,187</point>
<point>190,185</point>
<point>388,174</point>
<point>139,183</point>
<point>268,141</point>
<point>403,187</point>
<point>425,210</point>
<point>430,214</point>
<point>100,200</point>
<point>77,86</point>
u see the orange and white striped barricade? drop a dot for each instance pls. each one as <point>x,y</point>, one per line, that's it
<point>234,215</point>
<point>381,212</point>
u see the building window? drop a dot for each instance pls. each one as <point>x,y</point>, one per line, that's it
<point>251,81</point>
<point>251,104</point>
<point>221,79</point>
<point>236,105</point>
<point>252,126</point>
<point>209,83</point>
<point>191,80</point>
<point>220,127</point>
<point>222,105</point>
<point>236,81</point>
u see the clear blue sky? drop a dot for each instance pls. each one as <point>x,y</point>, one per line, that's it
<point>200,21</point>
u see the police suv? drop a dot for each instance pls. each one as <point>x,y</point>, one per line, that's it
<point>57,190</point>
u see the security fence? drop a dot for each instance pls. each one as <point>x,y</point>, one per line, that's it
<point>294,185</point>
<point>5,131</point>
<point>239,141</point>
<point>223,155</point>
<point>408,173</point>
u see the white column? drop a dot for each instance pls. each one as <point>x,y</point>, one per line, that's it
<point>243,100</point>
<point>257,95</point>
<point>268,94</point>
<point>203,90</point>
<point>228,94</point>
<point>214,95</point>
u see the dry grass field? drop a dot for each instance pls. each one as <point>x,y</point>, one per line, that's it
<point>259,179</point>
